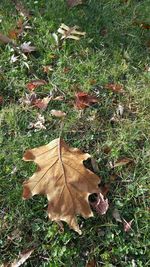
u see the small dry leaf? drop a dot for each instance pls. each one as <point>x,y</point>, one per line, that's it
<point>39,124</point>
<point>116,215</point>
<point>34,84</point>
<point>91,263</point>
<point>27,48</point>
<point>127,225</point>
<point>70,32</point>
<point>6,40</point>
<point>145,26</point>
<point>121,162</point>
<point>42,103</point>
<point>72,3</point>
<point>84,100</point>
<point>59,98</point>
<point>1,100</point>
<point>28,99</point>
<point>58,113</point>
<point>62,177</point>
<point>21,9</point>
<point>100,205</point>
<point>118,88</point>
<point>22,258</point>
<point>47,68</point>
<point>13,59</point>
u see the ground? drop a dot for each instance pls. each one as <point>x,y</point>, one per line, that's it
<point>116,50</point>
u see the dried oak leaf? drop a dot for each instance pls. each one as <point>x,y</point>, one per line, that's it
<point>115,87</point>
<point>70,32</point>
<point>83,100</point>
<point>62,176</point>
<point>34,84</point>
<point>72,3</point>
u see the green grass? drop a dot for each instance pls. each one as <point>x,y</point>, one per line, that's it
<point>120,56</point>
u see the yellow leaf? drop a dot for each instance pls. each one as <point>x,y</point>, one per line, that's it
<point>62,177</point>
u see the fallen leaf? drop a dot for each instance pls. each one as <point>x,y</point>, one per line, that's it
<point>39,124</point>
<point>116,215</point>
<point>58,113</point>
<point>100,205</point>
<point>47,68</point>
<point>121,162</point>
<point>127,225</point>
<point>72,3</point>
<point>1,100</point>
<point>13,34</point>
<point>13,59</point>
<point>145,26</point>
<point>62,176</point>
<point>21,9</point>
<point>34,84</point>
<point>22,258</point>
<point>70,32</point>
<point>83,100</point>
<point>59,98</point>
<point>91,263</point>
<point>28,99</point>
<point>42,103</point>
<point>56,39</point>
<point>6,40</point>
<point>27,48</point>
<point>118,88</point>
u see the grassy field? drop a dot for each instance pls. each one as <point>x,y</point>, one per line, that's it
<point>115,49</point>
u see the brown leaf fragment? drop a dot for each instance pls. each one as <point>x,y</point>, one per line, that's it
<point>91,263</point>
<point>58,113</point>
<point>42,103</point>
<point>1,100</point>
<point>70,32</point>
<point>22,258</point>
<point>47,68</point>
<point>72,3</point>
<point>145,26</point>
<point>34,84</point>
<point>6,40</point>
<point>127,225</point>
<point>100,205</point>
<point>116,215</point>
<point>21,9</point>
<point>84,100</point>
<point>62,177</point>
<point>117,88</point>
<point>121,162</point>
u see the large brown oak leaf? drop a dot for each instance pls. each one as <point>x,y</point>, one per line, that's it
<point>62,176</point>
